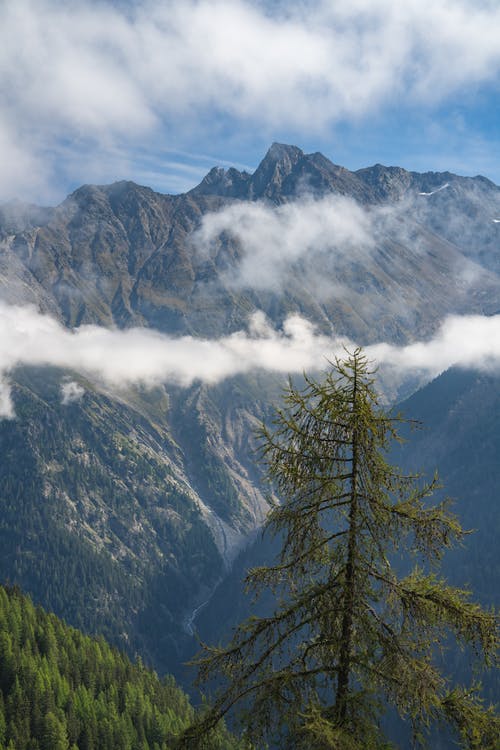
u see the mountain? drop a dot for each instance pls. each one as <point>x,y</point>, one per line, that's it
<point>117,513</point>
<point>459,437</point>
<point>123,509</point>
<point>122,255</point>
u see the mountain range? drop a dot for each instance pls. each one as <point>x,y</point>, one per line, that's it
<point>123,509</point>
<point>122,254</point>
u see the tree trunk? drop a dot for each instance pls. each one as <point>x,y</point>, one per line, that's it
<point>344,668</point>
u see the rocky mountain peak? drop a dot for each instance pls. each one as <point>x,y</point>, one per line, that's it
<point>285,172</point>
<point>282,153</point>
<point>228,183</point>
<point>279,162</point>
<point>120,191</point>
<point>267,181</point>
<point>385,182</point>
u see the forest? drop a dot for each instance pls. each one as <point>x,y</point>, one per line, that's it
<point>62,690</point>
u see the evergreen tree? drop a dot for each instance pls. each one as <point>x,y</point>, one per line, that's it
<point>351,634</point>
<point>54,735</point>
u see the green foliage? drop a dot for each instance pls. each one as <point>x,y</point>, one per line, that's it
<point>350,635</point>
<point>62,690</point>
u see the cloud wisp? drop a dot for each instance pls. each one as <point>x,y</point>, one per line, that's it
<point>332,242</point>
<point>88,76</point>
<point>71,392</point>
<point>274,239</point>
<point>142,356</point>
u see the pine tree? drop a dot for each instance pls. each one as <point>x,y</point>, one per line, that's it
<point>350,635</point>
<point>54,735</point>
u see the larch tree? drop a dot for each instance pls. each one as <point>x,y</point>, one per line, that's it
<point>350,635</point>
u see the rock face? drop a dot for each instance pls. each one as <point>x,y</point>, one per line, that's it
<point>153,492</point>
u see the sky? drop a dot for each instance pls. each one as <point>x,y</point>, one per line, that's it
<point>160,91</point>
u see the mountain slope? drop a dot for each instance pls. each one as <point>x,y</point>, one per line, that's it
<point>117,514</point>
<point>460,438</point>
<point>96,519</point>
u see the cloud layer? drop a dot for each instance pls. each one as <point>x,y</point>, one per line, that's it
<point>86,76</point>
<point>122,358</point>
<point>143,356</point>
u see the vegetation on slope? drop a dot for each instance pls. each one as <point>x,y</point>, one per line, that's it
<point>61,690</point>
<point>96,521</point>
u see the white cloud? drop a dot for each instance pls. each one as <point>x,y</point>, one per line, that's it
<point>471,341</point>
<point>93,74</point>
<point>273,239</point>
<point>120,358</point>
<point>138,355</point>
<point>6,403</point>
<point>71,392</point>
<point>332,244</point>
<point>21,167</point>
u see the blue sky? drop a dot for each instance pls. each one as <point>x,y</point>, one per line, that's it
<point>159,92</point>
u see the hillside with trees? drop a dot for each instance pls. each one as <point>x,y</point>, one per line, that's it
<point>62,690</point>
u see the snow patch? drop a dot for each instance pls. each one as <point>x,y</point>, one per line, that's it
<point>432,192</point>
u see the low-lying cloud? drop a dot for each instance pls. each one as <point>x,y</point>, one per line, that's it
<point>330,242</point>
<point>469,341</point>
<point>141,356</point>
<point>122,358</point>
